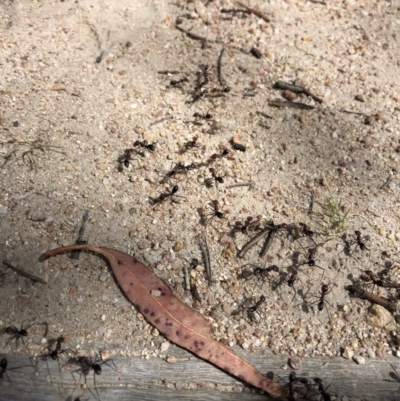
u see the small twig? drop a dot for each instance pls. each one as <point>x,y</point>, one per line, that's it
<point>354,112</point>
<point>24,273</point>
<point>317,2</point>
<point>296,89</point>
<point>241,184</point>
<point>221,79</point>
<point>260,113</point>
<point>79,240</point>
<point>253,11</point>
<point>206,257</point>
<point>293,105</point>
<point>358,292</point>
<point>194,36</point>
<point>187,280</point>
<point>253,242</point>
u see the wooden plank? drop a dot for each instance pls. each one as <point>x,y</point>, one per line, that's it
<point>191,378</point>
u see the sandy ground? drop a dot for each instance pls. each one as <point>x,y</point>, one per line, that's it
<point>82,81</point>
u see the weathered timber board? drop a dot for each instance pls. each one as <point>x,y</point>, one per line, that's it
<point>155,379</point>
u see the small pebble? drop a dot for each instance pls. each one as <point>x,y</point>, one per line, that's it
<point>155,293</point>
<point>132,211</point>
<point>359,360</point>
<point>38,216</point>
<point>391,236</point>
<point>295,363</point>
<point>105,354</point>
<point>348,353</point>
<point>103,317</point>
<point>178,246</point>
<point>3,210</point>
<point>103,277</point>
<point>164,346</point>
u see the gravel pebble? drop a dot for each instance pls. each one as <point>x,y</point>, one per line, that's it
<point>359,360</point>
<point>38,216</point>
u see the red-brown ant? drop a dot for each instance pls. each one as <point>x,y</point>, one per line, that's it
<point>215,212</point>
<point>164,196</point>
<point>360,240</point>
<point>253,308</point>
<point>179,82</point>
<point>273,229</point>
<point>216,156</point>
<point>322,389</point>
<point>199,116</point>
<point>87,364</point>
<point>3,370</point>
<point>305,229</point>
<point>203,73</point>
<point>321,302</point>
<point>214,178</point>
<point>191,144</point>
<point>145,145</point>
<point>125,159</point>
<point>310,261</point>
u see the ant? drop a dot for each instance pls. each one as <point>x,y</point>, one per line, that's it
<point>322,389</point>
<point>310,261</point>
<point>203,73</point>
<point>252,309</point>
<point>16,334</point>
<point>179,82</point>
<point>305,229</point>
<point>125,159</point>
<point>215,212</point>
<point>191,144</point>
<point>216,156</point>
<point>144,144</point>
<point>164,196</point>
<point>3,370</point>
<point>249,224</point>
<point>199,116</point>
<point>273,229</point>
<point>214,177</point>
<point>360,240</point>
<point>57,350</point>
<point>321,303</point>
<point>87,364</point>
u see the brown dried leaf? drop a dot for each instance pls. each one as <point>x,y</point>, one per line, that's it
<point>175,320</point>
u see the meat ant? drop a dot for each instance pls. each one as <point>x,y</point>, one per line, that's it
<point>3,370</point>
<point>199,116</point>
<point>145,145</point>
<point>369,276</point>
<point>216,212</point>
<point>87,364</point>
<point>322,389</point>
<point>273,229</point>
<point>16,334</point>
<point>310,261</point>
<point>125,159</point>
<point>178,83</point>
<point>191,144</point>
<point>252,309</point>
<point>321,302</point>
<point>216,156</point>
<point>305,229</point>
<point>360,240</point>
<point>249,224</point>
<point>202,77</point>
<point>180,168</point>
<point>214,178</point>
<point>164,196</point>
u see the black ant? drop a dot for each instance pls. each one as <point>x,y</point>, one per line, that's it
<point>360,240</point>
<point>57,350</point>
<point>215,212</point>
<point>273,229</point>
<point>16,334</point>
<point>164,196</point>
<point>180,168</point>
<point>214,177</point>
<point>310,261</point>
